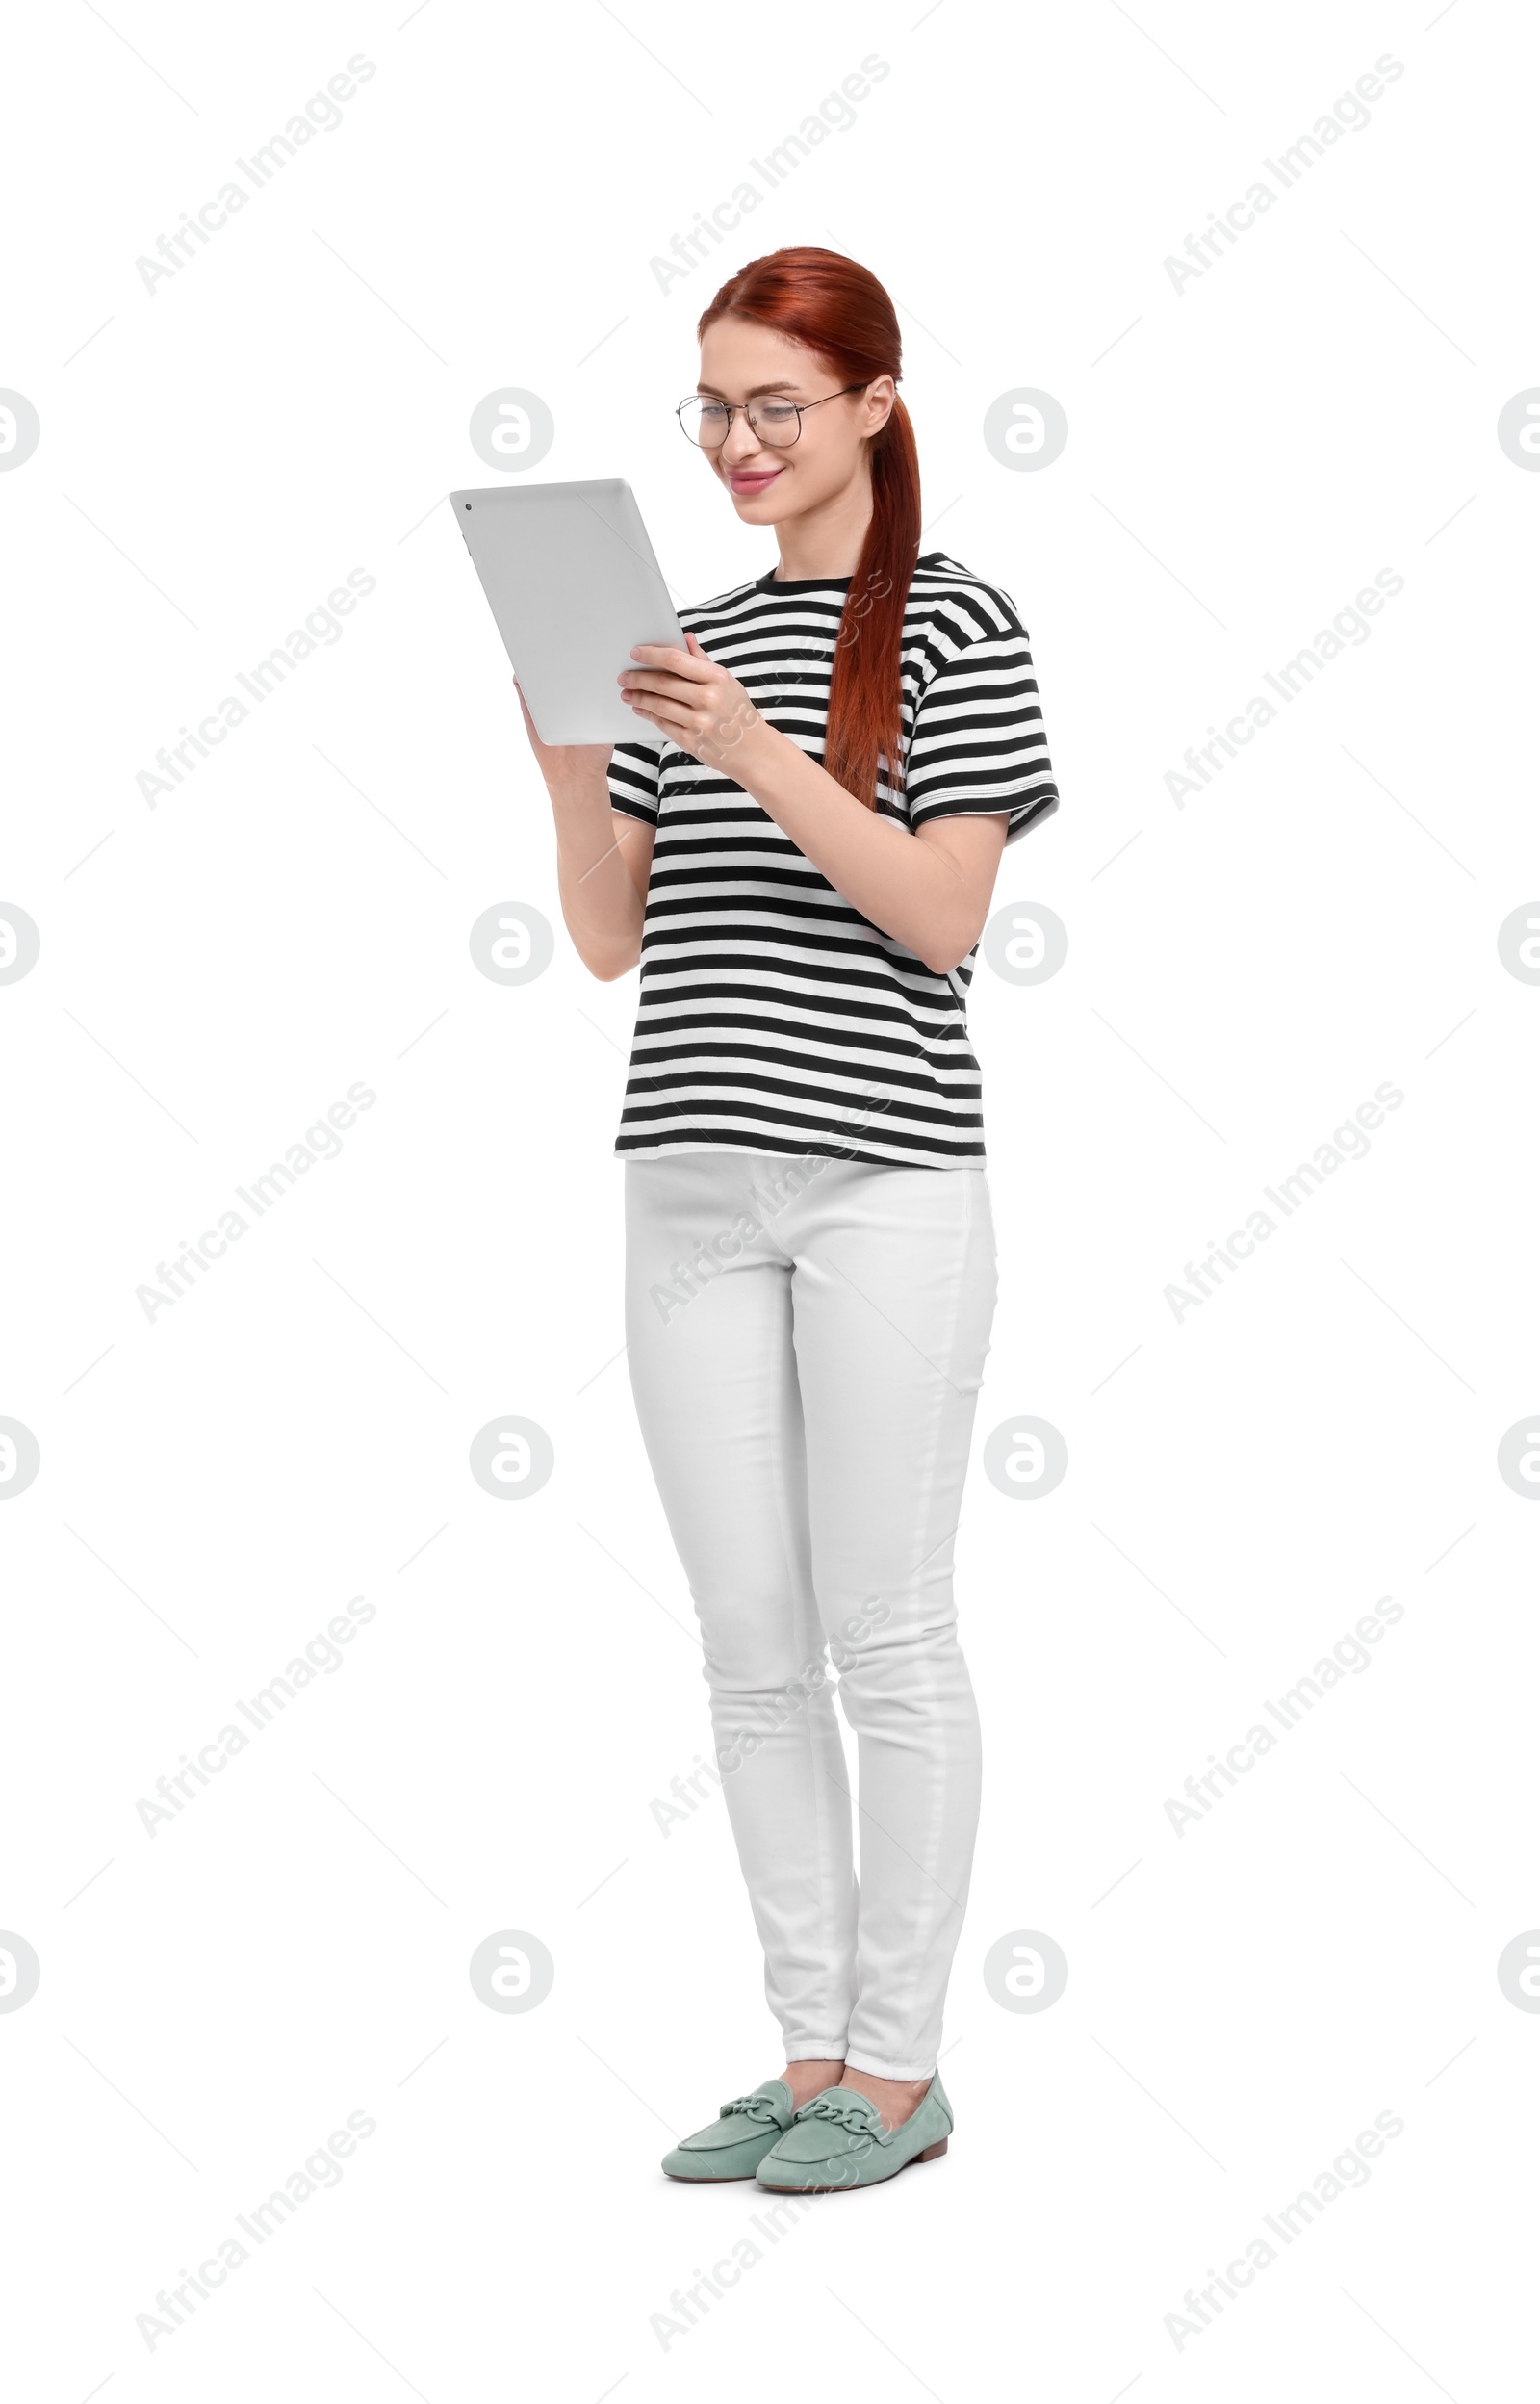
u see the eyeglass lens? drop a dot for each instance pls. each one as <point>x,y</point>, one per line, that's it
<point>706,422</point>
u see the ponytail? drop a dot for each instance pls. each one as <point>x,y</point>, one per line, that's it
<point>831,305</point>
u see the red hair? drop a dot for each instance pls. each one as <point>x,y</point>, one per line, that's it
<point>831,306</point>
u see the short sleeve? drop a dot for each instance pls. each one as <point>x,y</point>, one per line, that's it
<point>633,780</point>
<point>978,745</point>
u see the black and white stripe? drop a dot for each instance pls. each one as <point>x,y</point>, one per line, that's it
<point>772,1016</point>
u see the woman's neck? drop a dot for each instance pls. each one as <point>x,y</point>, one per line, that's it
<point>825,541</point>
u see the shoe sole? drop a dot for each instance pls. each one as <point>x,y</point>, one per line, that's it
<point>732,2179</point>
<point>929,2153</point>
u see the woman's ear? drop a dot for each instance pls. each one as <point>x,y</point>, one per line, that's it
<point>886,394</point>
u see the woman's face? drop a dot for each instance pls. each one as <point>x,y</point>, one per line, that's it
<point>741,361</point>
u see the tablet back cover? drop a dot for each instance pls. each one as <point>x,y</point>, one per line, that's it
<point>573,584</point>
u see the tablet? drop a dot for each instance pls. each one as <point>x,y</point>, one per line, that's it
<point>573,584</point>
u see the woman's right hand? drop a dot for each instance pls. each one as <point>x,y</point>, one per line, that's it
<point>602,893</point>
<point>565,767</point>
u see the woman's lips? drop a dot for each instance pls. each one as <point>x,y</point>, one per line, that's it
<point>751,479</point>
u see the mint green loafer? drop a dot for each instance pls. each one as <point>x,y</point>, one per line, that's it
<point>839,2141</point>
<point>739,2137</point>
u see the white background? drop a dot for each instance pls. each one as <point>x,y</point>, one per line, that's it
<point>1244,457</point>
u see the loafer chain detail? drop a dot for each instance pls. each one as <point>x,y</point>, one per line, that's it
<point>840,2140</point>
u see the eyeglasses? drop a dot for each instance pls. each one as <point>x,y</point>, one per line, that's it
<point>776,421</point>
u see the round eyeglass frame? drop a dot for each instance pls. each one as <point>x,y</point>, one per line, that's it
<point>699,399</point>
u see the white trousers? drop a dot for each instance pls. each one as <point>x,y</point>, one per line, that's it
<point>807,1340</point>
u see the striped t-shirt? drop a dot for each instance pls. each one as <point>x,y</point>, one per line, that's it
<point>772,1016</point>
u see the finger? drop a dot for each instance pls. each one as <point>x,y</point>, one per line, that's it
<point>677,723</point>
<point>653,680</point>
<point>692,665</point>
<point>664,712</point>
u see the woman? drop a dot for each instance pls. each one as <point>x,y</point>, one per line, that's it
<point>800,856</point>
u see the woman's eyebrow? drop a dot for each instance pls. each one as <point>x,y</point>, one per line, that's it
<point>786,384</point>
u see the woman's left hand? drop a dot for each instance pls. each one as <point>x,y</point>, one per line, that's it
<point>699,705</point>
